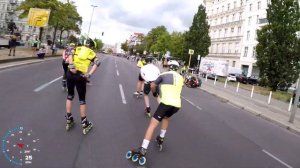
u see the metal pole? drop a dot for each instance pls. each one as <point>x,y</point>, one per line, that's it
<point>94,6</point>
<point>296,100</point>
<point>190,61</point>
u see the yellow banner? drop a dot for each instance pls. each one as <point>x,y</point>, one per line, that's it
<point>38,17</point>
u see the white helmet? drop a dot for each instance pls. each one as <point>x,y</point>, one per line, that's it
<point>173,65</point>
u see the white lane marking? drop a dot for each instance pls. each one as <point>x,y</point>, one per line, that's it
<point>46,84</point>
<point>122,94</point>
<point>199,108</point>
<point>118,73</point>
<point>274,157</point>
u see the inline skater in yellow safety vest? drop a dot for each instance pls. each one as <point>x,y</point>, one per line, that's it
<point>171,84</point>
<point>140,83</point>
<point>77,75</point>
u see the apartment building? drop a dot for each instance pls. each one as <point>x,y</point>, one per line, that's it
<point>233,25</point>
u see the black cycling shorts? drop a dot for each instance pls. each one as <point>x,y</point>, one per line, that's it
<point>140,77</point>
<point>164,111</point>
<point>147,88</point>
<point>65,67</point>
<point>80,82</point>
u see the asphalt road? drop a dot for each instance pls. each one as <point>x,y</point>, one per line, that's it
<point>207,132</point>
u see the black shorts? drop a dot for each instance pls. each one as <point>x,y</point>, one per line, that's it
<point>164,111</point>
<point>140,77</point>
<point>147,88</point>
<point>78,81</point>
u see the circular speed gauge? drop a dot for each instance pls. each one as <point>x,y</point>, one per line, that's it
<point>20,146</point>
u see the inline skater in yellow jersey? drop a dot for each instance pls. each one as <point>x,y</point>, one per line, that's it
<point>171,84</point>
<point>77,75</point>
<point>140,83</point>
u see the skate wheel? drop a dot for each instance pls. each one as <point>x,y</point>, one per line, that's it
<point>129,155</point>
<point>142,161</point>
<point>135,158</point>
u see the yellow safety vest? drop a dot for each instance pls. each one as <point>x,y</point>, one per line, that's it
<point>171,92</point>
<point>82,58</point>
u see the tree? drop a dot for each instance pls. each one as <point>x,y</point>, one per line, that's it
<point>153,36</point>
<point>197,38</point>
<point>44,4</point>
<point>162,43</point>
<point>177,45</point>
<point>99,44</point>
<point>124,46</point>
<point>278,47</point>
<point>72,39</point>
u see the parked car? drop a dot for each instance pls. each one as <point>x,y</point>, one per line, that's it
<point>241,78</point>
<point>231,77</point>
<point>212,76</point>
<point>253,80</point>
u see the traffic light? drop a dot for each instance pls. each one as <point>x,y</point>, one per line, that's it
<point>102,33</point>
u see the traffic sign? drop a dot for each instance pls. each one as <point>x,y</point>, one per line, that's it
<point>38,17</point>
<point>191,52</point>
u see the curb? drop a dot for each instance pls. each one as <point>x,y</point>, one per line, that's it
<point>257,113</point>
<point>27,62</point>
<point>24,59</point>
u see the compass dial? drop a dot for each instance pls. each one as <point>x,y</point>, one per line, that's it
<point>19,146</point>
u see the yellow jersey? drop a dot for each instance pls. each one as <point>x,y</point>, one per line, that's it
<point>82,58</point>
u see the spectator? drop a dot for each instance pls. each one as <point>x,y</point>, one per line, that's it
<point>12,45</point>
<point>54,49</point>
<point>34,45</point>
<point>41,53</point>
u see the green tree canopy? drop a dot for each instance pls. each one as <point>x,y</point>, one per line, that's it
<point>197,38</point>
<point>278,54</point>
<point>176,45</point>
<point>153,35</point>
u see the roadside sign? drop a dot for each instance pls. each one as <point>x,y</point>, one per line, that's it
<point>198,57</point>
<point>191,52</point>
<point>38,17</point>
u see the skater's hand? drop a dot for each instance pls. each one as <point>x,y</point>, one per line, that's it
<point>87,76</point>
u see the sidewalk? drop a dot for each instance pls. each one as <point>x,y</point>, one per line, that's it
<point>276,112</point>
<point>23,53</point>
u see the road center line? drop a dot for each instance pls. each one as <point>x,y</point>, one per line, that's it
<point>199,108</point>
<point>122,94</point>
<point>274,157</point>
<point>46,84</point>
<point>118,73</point>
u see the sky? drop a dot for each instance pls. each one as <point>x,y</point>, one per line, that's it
<point>118,19</point>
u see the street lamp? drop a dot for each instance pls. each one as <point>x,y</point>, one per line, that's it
<point>296,100</point>
<point>94,6</point>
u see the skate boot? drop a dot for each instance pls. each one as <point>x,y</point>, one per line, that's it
<point>86,125</point>
<point>70,122</point>
<point>159,140</point>
<point>147,112</point>
<point>137,155</point>
<point>141,93</point>
<point>137,94</point>
<point>64,85</point>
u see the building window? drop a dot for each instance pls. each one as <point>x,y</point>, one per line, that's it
<point>232,30</point>
<point>249,20</point>
<point>233,63</point>
<point>236,50</point>
<point>227,18</point>
<point>248,35</point>
<point>225,33</point>
<point>233,15</point>
<point>250,7</point>
<point>221,20</point>
<point>241,2</point>
<point>257,19</point>
<point>254,52</point>
<point>228,6</point>
<point>217,48</point>
<point>258,5</point>
<point>220,33</point>
<point>229,48</point>
<point>234,4</point>
<point>222,8</point>
<point>223,48</point>
<point>212,12</point>
<point>215,34</point>
<point>240,17</point>
<point>246,52</point>
<point>217,10</point>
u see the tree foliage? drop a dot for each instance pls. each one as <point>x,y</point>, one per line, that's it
<point>124,46</point>
<point>99,44</point>
<point>176,45</point>
<point>197,38</point>
<point>278,48</point>
<point>153,36</point>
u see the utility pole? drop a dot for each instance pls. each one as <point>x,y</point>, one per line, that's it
<point>94,6</point>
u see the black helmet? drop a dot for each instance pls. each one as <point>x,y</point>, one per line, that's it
<point>148,59</point>
<point>90,43</point>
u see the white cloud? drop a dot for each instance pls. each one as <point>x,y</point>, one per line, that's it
<point>120,18</point>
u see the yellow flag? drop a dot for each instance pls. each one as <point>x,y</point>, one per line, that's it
<point>38,17</point>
